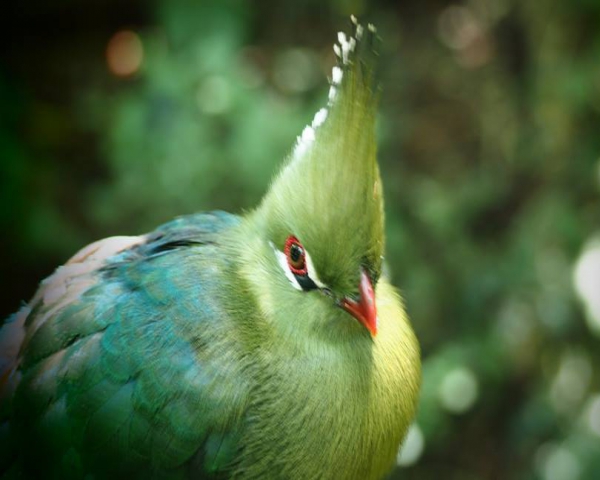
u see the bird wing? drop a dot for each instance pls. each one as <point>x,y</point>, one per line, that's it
<point>122,362</point>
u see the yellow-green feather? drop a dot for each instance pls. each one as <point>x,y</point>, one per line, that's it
<point>357,393</point>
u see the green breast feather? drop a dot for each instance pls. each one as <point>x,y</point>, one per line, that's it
<point>262,346</point>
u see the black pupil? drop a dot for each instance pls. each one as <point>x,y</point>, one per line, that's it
<point>295,252</point>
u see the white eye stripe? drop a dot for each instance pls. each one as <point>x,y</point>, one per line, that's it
<point>282,260</point>
<point>310,269</point>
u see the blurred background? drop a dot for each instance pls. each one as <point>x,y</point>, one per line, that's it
<point>117,115</point>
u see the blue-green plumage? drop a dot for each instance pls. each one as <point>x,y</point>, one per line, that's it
<point>267,345</point>
<point>137,362</point>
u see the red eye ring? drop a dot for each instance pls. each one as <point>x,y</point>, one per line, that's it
<point>296,256</point>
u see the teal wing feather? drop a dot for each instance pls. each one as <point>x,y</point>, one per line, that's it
<point>129,362</point>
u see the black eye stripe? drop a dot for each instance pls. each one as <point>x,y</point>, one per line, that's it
<point>305,282</point>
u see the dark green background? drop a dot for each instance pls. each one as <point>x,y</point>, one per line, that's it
<point>489,152</point>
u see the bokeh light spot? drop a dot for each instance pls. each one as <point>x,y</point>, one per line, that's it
<point>586,278</point>
<point>296,70</point>
<point>412,448</point>
<point>459,390</point>
<point>571,381</point>
<point>124,53</point>
<point>461,30</point>
<point>515,324</point>
<point>458,27</point>
<point>555,462</point>
<point>214,95</point>
<point>594,414</point>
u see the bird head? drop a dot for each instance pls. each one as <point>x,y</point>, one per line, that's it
<point>322,219</point>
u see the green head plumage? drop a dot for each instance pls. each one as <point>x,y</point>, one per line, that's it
<point>329,195</point>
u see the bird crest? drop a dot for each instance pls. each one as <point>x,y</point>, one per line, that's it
<point>329,192</point>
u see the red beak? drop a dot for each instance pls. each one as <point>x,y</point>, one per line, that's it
<point>364,310</point>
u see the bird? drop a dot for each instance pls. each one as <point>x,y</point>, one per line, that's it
<point>269,344</point>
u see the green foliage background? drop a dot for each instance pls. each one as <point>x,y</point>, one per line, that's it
<point>489,153</point>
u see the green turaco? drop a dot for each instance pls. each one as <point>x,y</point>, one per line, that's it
<point>267,345</point>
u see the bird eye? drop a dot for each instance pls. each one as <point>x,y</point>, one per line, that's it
<point>296,256</point>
